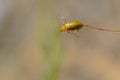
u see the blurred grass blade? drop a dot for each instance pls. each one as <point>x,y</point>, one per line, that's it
<point>50,40</point>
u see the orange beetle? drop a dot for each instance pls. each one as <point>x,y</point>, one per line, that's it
<point>76,25</point>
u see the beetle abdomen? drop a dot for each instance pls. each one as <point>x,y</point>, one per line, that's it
<point>74,25</point>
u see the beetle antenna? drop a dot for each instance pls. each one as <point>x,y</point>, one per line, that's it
<point>102,29</point>
<point>64,20</point>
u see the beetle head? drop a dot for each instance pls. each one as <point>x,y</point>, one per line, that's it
<point>63,28</point>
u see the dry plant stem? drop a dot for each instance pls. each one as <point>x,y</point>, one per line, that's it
<point>102,29</point>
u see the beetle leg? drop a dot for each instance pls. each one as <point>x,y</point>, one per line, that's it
<point>77,29</point>
<point>75,34</point>
<point>69,31</point>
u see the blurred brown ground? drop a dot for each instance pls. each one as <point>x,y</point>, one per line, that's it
<point>95,56</point>
<point>19,56</point>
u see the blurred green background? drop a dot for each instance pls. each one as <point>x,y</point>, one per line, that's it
<point>32,48</point>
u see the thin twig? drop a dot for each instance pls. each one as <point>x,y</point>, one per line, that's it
<point>102,29</point>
